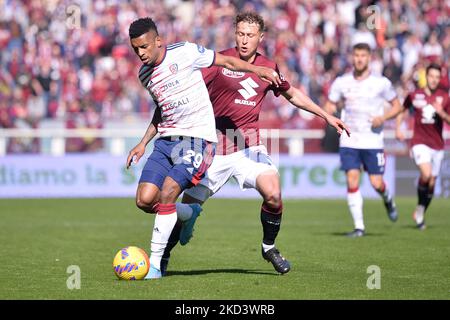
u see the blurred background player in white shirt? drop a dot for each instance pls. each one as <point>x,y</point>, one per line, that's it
<point>363,94</point>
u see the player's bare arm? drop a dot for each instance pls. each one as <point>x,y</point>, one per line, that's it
<point>235,64</point>
<point>399,134</point>
<point>395,110</point>
<point>302,101</point>
<point>138,151</point>
<point>330,107</point>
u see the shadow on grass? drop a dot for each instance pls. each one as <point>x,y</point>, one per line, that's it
<point>207,271</point>
<point>414,227</point>
<point>367,234</point>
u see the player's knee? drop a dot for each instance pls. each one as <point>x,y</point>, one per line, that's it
<point>426,179</point>
<point>377,182</point>
<point>273,200</point>
<point>377,185</point>
<point>147,204</point>
<point>352,182</point>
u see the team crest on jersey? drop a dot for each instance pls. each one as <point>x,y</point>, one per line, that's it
<point>173,68</point>
<point>232,74</point>
<point>200,48</point>
<point>439,100</point>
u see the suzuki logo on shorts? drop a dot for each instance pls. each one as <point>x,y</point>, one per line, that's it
<point>249,85</point>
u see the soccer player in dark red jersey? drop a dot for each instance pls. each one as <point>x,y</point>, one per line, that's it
<point>237,98</point>
<point>431,107</point>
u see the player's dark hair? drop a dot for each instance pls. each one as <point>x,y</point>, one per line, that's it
<point>250,17</point>
<point>434,66</point>
<point>362,46</point>
<point>141,26</point>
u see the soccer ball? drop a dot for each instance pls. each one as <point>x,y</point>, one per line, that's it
<point>131,263</point>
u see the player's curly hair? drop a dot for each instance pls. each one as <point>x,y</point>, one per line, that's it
<point>141,26</point>
<point>250,17</point>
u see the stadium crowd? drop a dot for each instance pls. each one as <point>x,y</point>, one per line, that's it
<point>71,60</point>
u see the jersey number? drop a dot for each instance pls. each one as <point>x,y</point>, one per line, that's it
<point>380,159</point>
<point>195,159</point>
<point>428,113</point>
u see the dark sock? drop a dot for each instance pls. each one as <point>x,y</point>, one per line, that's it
<point>384,193</point>
<point>423,194</point>
<point>173,240</point>
<point>271,221</point>
<point>430,195</point>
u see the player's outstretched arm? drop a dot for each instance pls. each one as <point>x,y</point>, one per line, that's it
<point>399,134</point>
<point>330,107</point>
<point>235,64</point>
<point>393,112</point>
<point>302,101</point>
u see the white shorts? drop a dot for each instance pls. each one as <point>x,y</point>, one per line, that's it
<point>424,154</point>
<point>244,166</point>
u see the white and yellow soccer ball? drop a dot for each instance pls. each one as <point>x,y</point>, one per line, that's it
<point>131,263</point>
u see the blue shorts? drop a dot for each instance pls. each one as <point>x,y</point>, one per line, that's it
<point>184,159</point>
<point>371,160</point>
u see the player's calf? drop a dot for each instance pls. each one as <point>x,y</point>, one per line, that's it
<point>271,221</point>
<point>187,227</point>
<point>388,200</point>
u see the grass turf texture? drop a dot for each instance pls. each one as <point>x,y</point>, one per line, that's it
<point>41,238</point>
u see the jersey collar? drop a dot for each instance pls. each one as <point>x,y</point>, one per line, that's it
<point>164,56</point>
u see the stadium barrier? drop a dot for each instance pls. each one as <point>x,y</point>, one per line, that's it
<point>104,175</point>
<point>53,173</point>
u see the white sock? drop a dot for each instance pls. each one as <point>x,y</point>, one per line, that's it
<point>355,204</point>
<point>162,229</point>
<point>267,247</point>
<point>419,214</point>
<point>184,211</point>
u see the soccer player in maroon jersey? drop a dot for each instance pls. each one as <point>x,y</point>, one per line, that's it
<point>431,107</point>
<point>237,98</point>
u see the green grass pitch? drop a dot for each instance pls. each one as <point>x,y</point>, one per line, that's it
<point>40,239</point>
